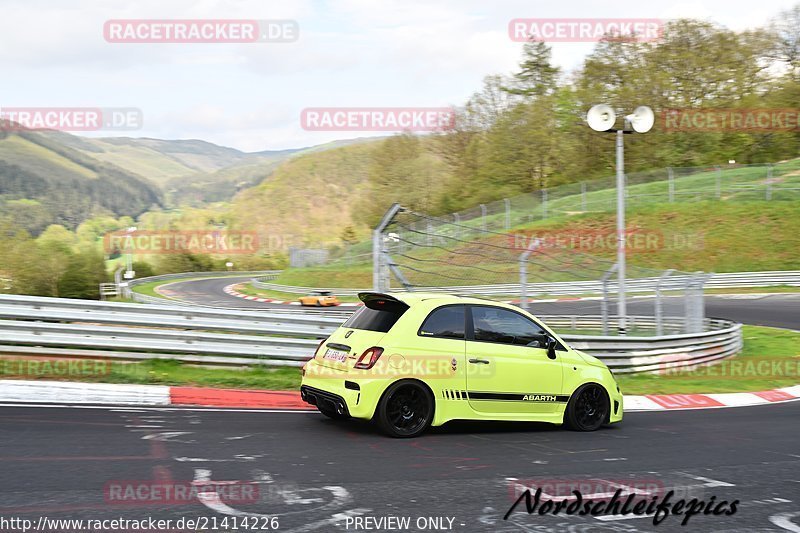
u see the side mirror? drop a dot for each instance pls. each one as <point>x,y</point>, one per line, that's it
<point>539,341</point>
<point>551,347</point>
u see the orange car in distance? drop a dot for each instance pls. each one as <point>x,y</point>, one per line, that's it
<point>319,299</point>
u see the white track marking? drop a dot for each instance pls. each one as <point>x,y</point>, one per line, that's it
<point>165,436</point>
<point>236,459</point>
<point>784,520</point>
<point>707,482</point>
<point>211,499</point>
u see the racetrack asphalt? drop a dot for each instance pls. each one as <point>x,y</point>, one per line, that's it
<point>312,472</point>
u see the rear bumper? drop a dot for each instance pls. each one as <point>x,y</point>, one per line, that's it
<point>324,399</point>
<point>359,395</point>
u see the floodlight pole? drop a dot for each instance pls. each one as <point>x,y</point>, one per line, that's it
<point>621,307</point>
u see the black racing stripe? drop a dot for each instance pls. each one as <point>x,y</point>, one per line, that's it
<point>517,397</point>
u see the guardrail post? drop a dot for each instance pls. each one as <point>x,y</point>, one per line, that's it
<point>507,204</point>
<point>671,184</point>
<point>457,227</point>
<point>719,183</point>
<point>483,216</point>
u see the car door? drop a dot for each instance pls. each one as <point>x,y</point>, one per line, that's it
<point>505,374</point>
<point>435,351</point>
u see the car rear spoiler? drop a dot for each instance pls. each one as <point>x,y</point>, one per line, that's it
<point>382,302</point>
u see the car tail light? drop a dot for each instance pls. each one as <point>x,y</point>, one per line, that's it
<point>323,341</point>
<point>369,358</point>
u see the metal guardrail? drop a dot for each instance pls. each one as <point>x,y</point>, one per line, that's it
<point>114,330</point>
<point>716,281</point>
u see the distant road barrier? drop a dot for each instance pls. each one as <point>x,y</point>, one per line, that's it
<point>129,332</point>
<point>727,280</point>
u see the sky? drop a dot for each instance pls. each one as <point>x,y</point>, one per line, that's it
<point>349,53</point>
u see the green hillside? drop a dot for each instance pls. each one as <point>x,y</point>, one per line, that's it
<point>44,181</point>
<point>309,199</point>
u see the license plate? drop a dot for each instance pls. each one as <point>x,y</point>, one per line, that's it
<point>335,355</point>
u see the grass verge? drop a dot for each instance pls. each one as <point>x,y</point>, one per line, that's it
<point>770,359</point>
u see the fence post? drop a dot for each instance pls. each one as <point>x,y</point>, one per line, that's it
<point>671,183</point>
<point>583,196</point>
<point>694,310</point>
<point>604,301</point>
<point>658,303</point>
<point>429,233</point>
<point>769,183</point>
<point>507,203</point>
<point>380,275</point>
<point>483,216</point>
<point>523,273</point>
<point>544,203</point>
<point>719,183</point>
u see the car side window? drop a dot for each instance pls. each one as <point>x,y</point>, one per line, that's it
<point>446,322</point>
<point>494,324</point>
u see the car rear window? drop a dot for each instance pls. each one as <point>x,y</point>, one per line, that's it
<point>376,319</point>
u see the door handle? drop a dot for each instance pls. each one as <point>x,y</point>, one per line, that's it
<point>481,361</point>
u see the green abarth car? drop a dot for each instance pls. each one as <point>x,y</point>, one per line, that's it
<point>411,360</point>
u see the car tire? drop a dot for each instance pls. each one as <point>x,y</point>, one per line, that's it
<point>588,408</point>
<point>405,410</point>
<point>331,413</point>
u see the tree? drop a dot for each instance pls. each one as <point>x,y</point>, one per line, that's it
<point>786,29</point>
<point>537,76</point>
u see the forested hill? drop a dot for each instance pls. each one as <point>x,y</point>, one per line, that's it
<point>43,182</point>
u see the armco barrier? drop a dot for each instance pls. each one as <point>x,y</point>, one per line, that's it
<point>729,280</point>
<point>114,330</point>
